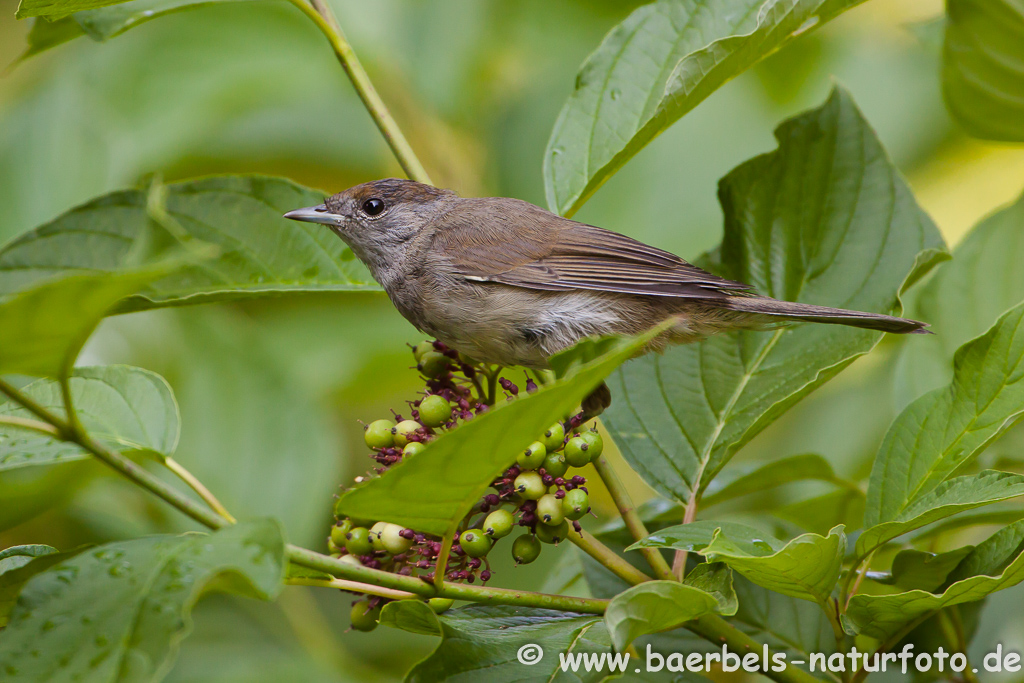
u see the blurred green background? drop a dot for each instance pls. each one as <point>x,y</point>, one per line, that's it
<point>271,392</point>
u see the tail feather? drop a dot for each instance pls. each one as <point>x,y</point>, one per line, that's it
<point>788,310</point>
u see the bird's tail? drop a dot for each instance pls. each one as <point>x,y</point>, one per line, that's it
<point>787,310</point>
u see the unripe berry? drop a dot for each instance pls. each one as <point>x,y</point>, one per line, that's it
<point>475,543</point>
<point>433,364</point>
<point>421,349</point>
<point>439,605</point>
<point>554,437</point>
<point>555,464</point>
<point>392,540</point>
<point>499,524</point>
<point>363,618</point>
<point>351,559</point>
<point>549,510</point>
<point>378,434</point>
<point>533,456</point>
<point>357,541</point>
<point>413,448</point>
<point>332,547</point>
<point>530,485</point>
<point>339,530</point>
<point>525,549</point>
<point>577,451</point>
<point>375,535</point>
<point>552,534</point>
<point>595,442</point>
<point>403,430</point>
<point>575,504</point>
<point>435,411</point>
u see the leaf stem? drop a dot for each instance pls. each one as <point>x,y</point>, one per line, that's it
<point>629,515</point>
<point>441,565</point>
<point>354,586</point>
<point>29,424</point>
<point>689,515</point>
<point>324,19</point>
<point>717,630</point>
<point>200,489</point>
<point>586,542</point>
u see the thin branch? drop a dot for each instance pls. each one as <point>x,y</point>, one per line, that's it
<point>633,522</point>
<point>354,586</point>
<point>328,25</point>
<point>29,424</point>
<point>717,630</point>
<point>441,565</point>
<point>586,542</point>
<point>200,489</point>
<point>679,561</point>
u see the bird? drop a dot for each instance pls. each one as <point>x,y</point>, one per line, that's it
<point>507,282</point>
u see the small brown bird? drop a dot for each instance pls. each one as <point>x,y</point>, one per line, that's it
<point>507,282</point>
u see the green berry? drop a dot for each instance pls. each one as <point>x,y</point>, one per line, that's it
<point>332,547</point>
<point>530,485</point>
<point>393,541</point>
<point>357,541</point>
<point>435,411</point>
<point>403,430</point>
<point>575,504</point>
<point>555,464</point>
<point>596,444</point>
<point>439,605</point>
<point>577,451</point>
<point>363,618</point>
<point>378,434</point>
<point>413,448</point>
<point>554,437</point>
<point>552,534</point>
<point>525,549</point>
<point>339,530</point>
<point>350,559</point>
<point>499,524</point>
<point>475,543</point>
<point>549,510</point>
<point>375,531</point>
<point>433,364</point>
<point>533,456</point>
<point>422,349</point>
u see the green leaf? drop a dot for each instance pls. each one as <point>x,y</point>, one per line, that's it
<point>715,579</point>
<point>916,569</point>
<point>43,328</point>
<point>55,9</point>
<point>481,643</point>
<point>46,34</point>
<point>946,499</point>
<point>650,70</point>
<point>996,563</point>
<point>986,517</point>
<point>435,490</point>
<point>117,612</point>
<point>808,467</point>
<point>825,219</point>
<point>127,409</point>
<point>20,555</point>
<point>20,564</point>
<point>983,67</point>
<point>807,567</point>
<point>821,513</point>
<point>944,430</point>
<point>654,606</point>
<point>698,535</point>
<point>260,252</point>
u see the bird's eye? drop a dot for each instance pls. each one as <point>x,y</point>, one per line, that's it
<point>373,207</point>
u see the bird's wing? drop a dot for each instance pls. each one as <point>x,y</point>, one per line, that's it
<point>529,247</point>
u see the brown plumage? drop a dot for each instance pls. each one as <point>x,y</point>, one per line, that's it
<point>507,282</point>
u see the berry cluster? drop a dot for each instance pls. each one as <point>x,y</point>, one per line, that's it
<point>538,493</point>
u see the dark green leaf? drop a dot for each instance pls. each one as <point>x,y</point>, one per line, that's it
<point>20,555</point>
<point>482,643</point>
<point>801,224</point>
<point>435,490</point>
<point>944,430</point>
<point>916,569</point>
<point>19,569</point>
<point>698,535</point>
<point>655,606</point>
<point>128,409</point>
<point>260,252</point>
<point>715,579</point>
<point>987,517</point>
<point>47,34</point>
<point>117,612</point>
<point>946,499</point>
<point>653,68</point>
<point>768,475</point>
<point>821,513</point>
<point>993,555</point>
<point>983,67</point>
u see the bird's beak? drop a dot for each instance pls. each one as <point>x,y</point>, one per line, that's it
<point>316,214</point>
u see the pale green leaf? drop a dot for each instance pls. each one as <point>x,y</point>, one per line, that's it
<point>460,465</point>
<point>917,569</point>
<point>825,219</point>
<point>260,252</point>
<point>20,555</point>
<point>944,430</point>
<point>55,9</point>
<point>715,579</point>
<point>17,566</point>
<point>653,68</point>
<point>654,606</point>
<point>764,476</point>
<point>821,513</point>
<point>117,612</point>
<point>698,535</point>
<point>983,67</point>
